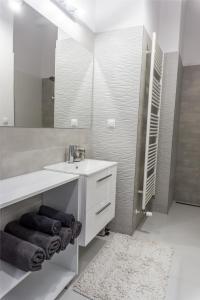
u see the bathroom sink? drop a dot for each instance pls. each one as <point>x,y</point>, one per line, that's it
<point>85,167</point>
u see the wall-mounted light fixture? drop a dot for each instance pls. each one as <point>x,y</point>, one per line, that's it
<point>68,7</point>
<point>16,5</point>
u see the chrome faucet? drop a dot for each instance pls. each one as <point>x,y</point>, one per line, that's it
<point>71,153</point>
<point>75,154</point>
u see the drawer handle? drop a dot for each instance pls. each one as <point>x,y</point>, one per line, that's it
<point>102,209</point>
<point>104,178</point>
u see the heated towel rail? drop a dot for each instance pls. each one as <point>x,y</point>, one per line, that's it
<point>153,121</point>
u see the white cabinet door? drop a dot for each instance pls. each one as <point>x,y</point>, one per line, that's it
<point>100,194</point>
<point>100,189</point>
<point>96,221</point>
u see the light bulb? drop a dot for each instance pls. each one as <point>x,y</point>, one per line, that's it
<point>79,14</point>
<point>16,5</point>
<point>70,8</point>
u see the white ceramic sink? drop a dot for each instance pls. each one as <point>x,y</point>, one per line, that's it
<point>85,167</point>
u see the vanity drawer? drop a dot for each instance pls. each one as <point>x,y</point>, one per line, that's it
<point>101,190</point>
<point>97,220</point>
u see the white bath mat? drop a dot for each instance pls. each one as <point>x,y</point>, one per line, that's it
<point>127,268</point>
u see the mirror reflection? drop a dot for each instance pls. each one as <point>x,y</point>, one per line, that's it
<point>34,46</point>
<point>52,76</point>
<point>73,84</point>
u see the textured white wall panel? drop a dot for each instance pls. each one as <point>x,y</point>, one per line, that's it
<point>118,59</point>
<point>73,84</point>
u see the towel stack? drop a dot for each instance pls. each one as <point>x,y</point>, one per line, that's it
<point>67,221</point>
<point>37,236</point>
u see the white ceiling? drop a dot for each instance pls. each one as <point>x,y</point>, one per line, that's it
<point>86,11</point>
<point>162,16</point>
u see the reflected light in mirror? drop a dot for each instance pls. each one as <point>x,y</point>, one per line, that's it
<point>70,8</point>
<point>16,5</point>
<point>79,14</point>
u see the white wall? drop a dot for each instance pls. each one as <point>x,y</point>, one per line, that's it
<point>190,50</point>
<point>151,15</point>
<point>183,14</point>
<point>162,16</point>
<point>6,65</point>
<point>170,25</point>
<point>117,14</point>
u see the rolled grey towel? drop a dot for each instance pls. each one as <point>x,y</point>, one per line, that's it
<point>21,254</point>
<point>76,230</point>
<point>67,220</point>
<point>50,244</point>
<point>66,236</point>
<point>41,223</point>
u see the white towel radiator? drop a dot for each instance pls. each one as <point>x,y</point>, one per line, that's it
<point>153,121</point>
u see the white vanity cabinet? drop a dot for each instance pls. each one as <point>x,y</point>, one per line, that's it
<point>97,202</point>
<point>97,192</point>
<point>26,193</point>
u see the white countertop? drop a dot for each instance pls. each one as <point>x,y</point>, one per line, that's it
<point>16,189</point>
<point>85,167</point>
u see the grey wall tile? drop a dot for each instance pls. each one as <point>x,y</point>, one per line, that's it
<point>175,133</point>
<point>25,150</point>
<point>168,121</point>
<point>188,160</point>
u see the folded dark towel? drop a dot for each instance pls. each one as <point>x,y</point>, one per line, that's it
<point>41,223</point>
<point>21,254</point>
<point>66,236</point>
<point>76,230</point>
<point>50,244</point>
<point>67,220</point>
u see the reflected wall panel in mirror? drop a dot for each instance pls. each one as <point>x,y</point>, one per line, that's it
<point>73,84</point>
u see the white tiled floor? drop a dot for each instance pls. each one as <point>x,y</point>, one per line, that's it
<point>181,229</point>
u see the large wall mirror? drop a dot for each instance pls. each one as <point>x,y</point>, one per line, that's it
<point>52,75</point>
